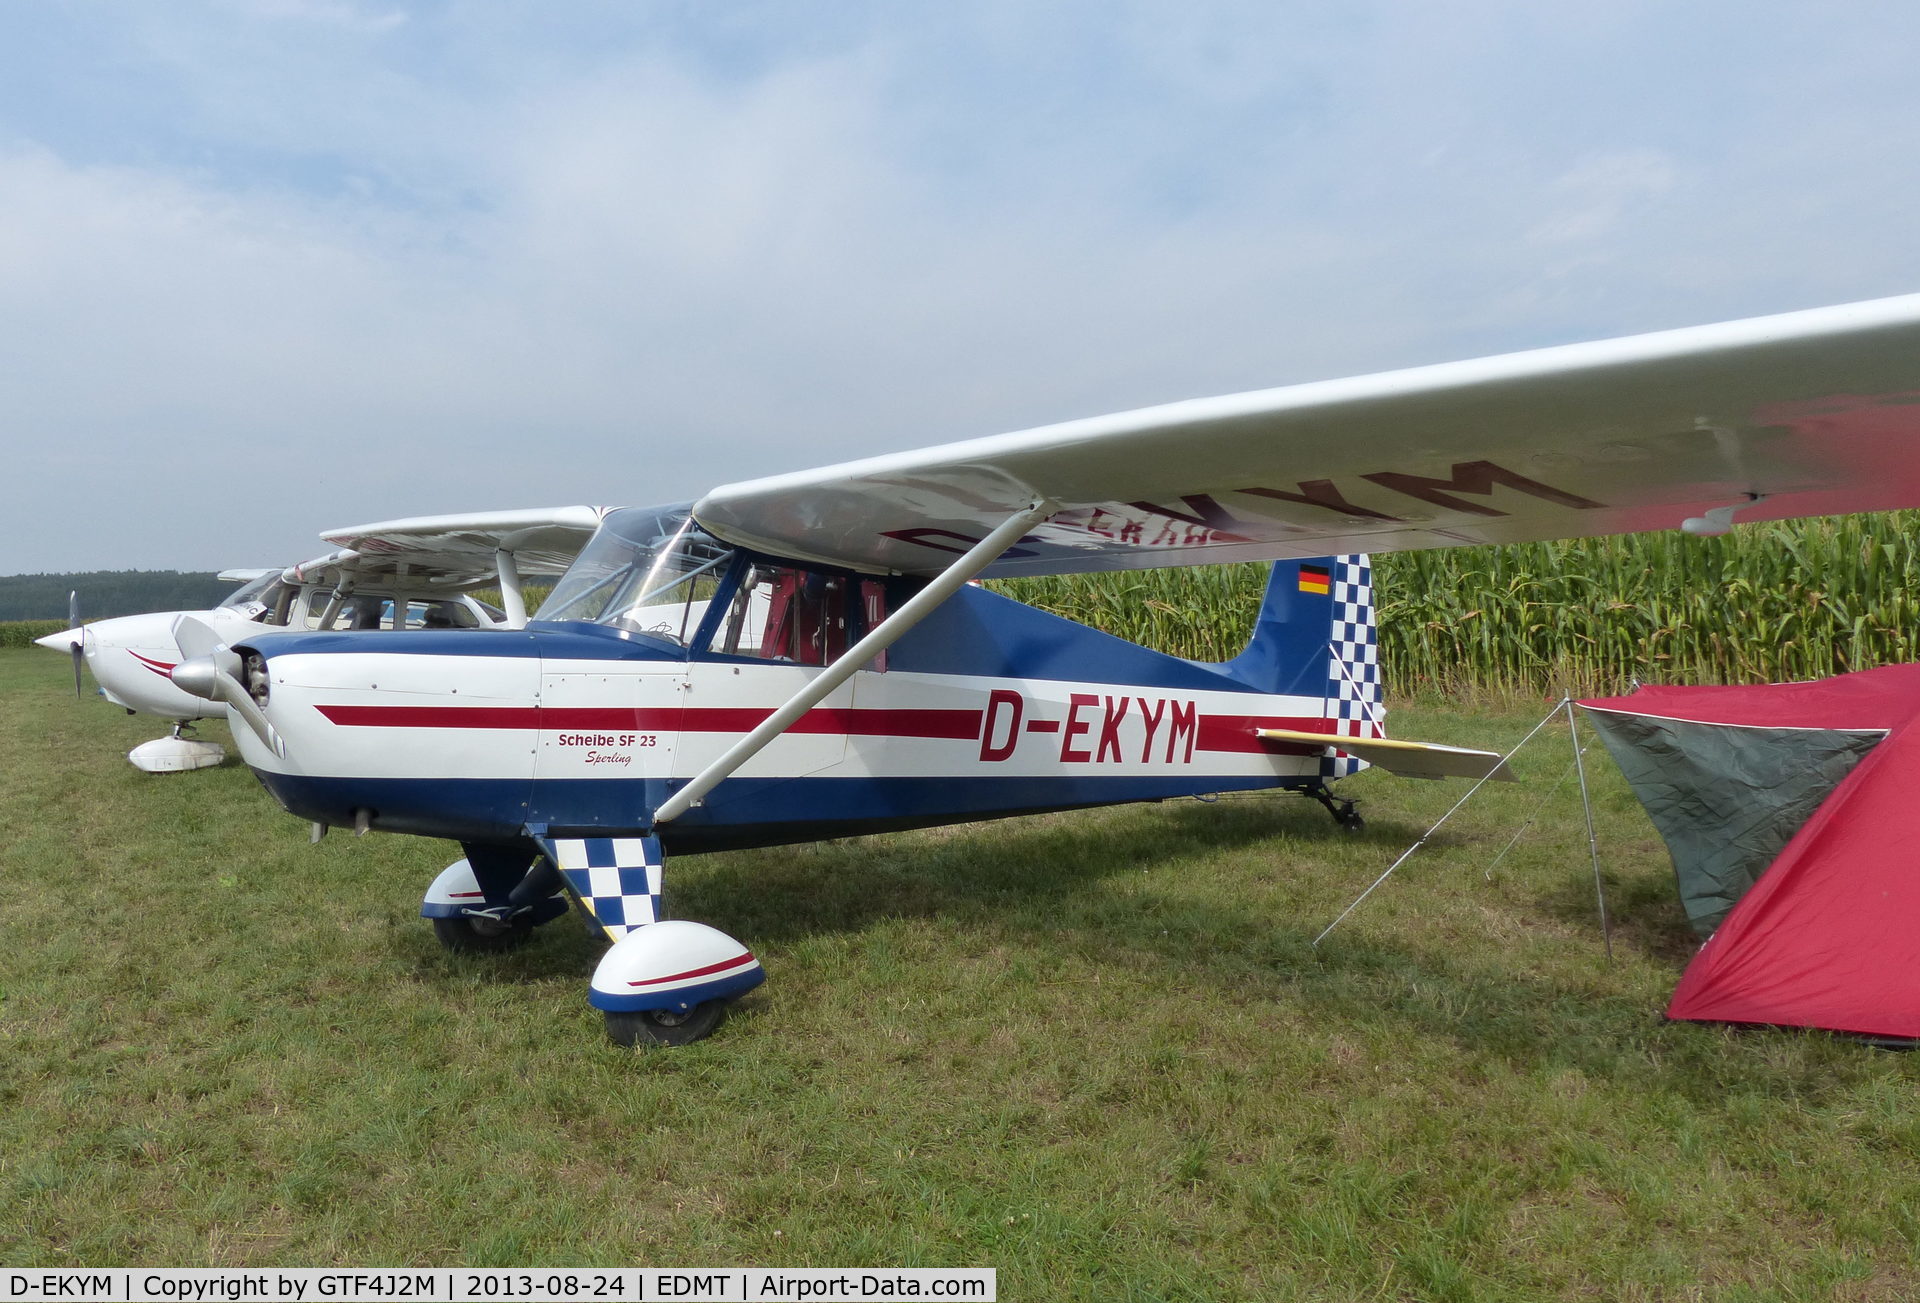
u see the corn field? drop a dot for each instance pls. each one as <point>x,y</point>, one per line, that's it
<point>1769,602</point>
<point>21,633</point>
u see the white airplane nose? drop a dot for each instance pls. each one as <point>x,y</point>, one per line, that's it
<point>64,641</point>
<point>198,677</point>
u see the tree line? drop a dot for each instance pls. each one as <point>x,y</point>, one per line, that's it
<point>106,593</point>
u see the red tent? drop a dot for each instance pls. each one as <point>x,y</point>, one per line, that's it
<point>1829,934</point>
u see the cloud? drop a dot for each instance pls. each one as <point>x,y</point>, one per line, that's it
<point>317,267</point>
<point>1599,192</point>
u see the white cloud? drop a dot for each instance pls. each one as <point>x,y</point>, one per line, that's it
<point>469,260</point>
<point>1602,191</point>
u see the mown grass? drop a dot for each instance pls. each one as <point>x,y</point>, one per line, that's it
<point>1095,1051</point>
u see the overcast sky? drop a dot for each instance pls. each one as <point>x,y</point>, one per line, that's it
<point>272,266</point>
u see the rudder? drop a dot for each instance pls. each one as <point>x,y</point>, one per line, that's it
<point>1316,636</point>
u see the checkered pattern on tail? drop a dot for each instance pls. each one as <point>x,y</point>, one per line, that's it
<point>1353,667</point>
<point>618,878</point>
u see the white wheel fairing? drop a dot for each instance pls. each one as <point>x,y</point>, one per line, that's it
<point>170,755</point>
<point>672,965</point>
<point>455,890</point>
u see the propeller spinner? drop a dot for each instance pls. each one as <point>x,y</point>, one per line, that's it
<point>212,670</point>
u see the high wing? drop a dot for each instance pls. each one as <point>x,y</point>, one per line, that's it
<point>1815,412</point>
<point>457,551</point>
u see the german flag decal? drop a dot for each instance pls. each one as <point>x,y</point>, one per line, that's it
<point>1315,579</point>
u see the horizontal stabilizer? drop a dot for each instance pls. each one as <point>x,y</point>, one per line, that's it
<point>1406,759</point>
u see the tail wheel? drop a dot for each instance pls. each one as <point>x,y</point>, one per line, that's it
<point>477,934</point>
<point>665,1026</point>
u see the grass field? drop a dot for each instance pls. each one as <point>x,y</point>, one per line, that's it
<point>1093,1051</point>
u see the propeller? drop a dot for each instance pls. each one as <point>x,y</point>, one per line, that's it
<point>79,648</point>
<point>209,668</point>
<point>194,638</point>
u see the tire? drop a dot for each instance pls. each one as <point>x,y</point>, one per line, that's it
<point>469,935</point>
<point>664,1026</point>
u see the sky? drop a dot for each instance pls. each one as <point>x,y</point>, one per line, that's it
<point>269,267</point>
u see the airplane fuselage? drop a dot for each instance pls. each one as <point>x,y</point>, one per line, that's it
<point>991,709</point>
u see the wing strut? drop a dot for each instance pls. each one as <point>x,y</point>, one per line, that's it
<point>512,600</point>
<point>506,565</point>
<point>915,609</point>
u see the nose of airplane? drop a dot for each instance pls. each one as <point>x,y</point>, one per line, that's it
<point>237,679</point>
<point>198,677</point>
<point>64,641</point>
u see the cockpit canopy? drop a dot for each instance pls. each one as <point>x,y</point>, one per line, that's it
<point>646,570</point>
<point>653,571</point>
<point>249,596</point>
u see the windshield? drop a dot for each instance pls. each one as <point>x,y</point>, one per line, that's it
<point>248,594</point>
<point>648,570</point>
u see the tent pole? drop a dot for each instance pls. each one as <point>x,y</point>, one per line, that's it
<point>1593,845</point>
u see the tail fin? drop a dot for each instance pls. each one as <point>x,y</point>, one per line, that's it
<point>1316,637</point>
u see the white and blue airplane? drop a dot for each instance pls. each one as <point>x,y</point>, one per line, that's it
<point>410,574</point>
<point>802,656</point>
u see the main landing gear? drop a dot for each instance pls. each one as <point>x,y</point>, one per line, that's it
<point>661,982</point>
<point>176,752</point>
<point>466,920</point>
<point>482,933</point>
<point>669,983</point>
<point>665,1027</point>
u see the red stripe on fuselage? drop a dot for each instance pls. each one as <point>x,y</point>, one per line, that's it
<point>1217,733</point>
<point>958,725</point>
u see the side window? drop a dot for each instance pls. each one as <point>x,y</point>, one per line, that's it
<point>279,601</point>
<point>873,608</point>
<point>423,613</point>
<point>780,613</point>
<point>314,606</point>
<point>365,611</point>
<point>747,616</point>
